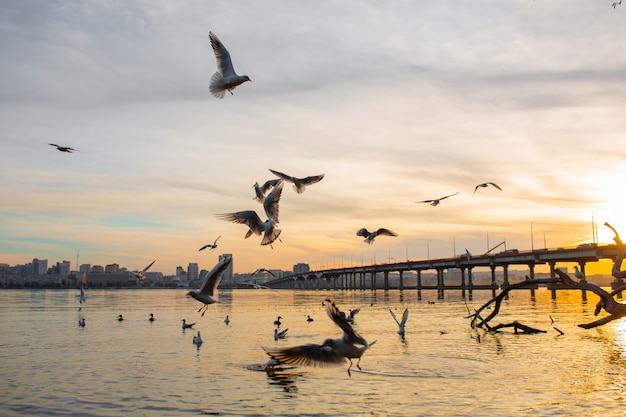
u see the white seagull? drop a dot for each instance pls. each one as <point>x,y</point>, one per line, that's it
<point>139,275</point>
<point>331,352</point>
<point>280,335</point>
<point>578,273</point>
<point>211,247</point>
<point>187,325</point>
<point>260,191</point>
<point>401,324</point>
<point>436,201</point>
<point>225,78</point>
<point>197,340</point>
<point>208,290</point>
<point>256,226</point>
<point>299,184</point>
<point>370,236</point>
<point>487,184</point>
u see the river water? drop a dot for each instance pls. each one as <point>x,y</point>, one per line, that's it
<point>53,367</point>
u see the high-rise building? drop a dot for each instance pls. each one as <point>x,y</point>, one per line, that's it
<point>180,272</point>
<point>63,269</point>
<point>111,268</point>
<point>40,266</point>
<point>301,268</point>
<point>192,270</point>
<point>228,274</point>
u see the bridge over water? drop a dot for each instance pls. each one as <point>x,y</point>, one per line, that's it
<point>376,276</point>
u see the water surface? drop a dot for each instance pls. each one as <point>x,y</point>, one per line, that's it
<point>51,366</point>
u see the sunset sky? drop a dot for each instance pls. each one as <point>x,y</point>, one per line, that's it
<point>395,102</point>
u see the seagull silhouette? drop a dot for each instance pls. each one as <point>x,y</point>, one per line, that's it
<point>208,290</point>
<point>187,325</point>
<point>64,148</point>
<point>401,324</point>
<point>487,184</point>
<point>225,78</point>
<point>260,191</point>
<point>256,226</point>
<point>332,351</point>
<point>263,270</point>
<point>280,335</point>
<point>139,275</point>
<point>436,201</point>
<point>211,247</point>
<point>616,3</point>
<point>370,236</point>
<point>299,184</point>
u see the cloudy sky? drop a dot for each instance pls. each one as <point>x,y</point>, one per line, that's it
<point>395,102</point>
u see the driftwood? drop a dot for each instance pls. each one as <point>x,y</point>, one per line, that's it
<point>518,327</point>
<point>607,303</point>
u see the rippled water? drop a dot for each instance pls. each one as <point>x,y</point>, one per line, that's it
<point>51,366</point>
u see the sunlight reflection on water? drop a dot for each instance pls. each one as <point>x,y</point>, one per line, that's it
<point>51,366</point>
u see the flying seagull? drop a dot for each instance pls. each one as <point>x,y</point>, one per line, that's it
<point>436,201</point>
<point>616,3</point>
<point>401,324</point>
<point>208,290</point>
<point>256,226</point>
<point>263,270</point>
<point>139,275</point>
<point>64,148</point>
<point>260,191</point>
<point>299,184</point>
<point>81,297</point>
<point>370,236</point>
<point>225,78</point>
<point>487,184</point>
<point>332,351</point>
<point>213,246</point>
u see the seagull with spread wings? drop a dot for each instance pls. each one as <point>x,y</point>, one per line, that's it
<point>299,184</point>
<point>436,201</point>
<point>332,351</point>
<point>401,323</point>
<point>211,247</point>
<point>267,228</point>
<point>63,148</point>
<point>370,236</point>
<point>225,78</point>
<point>260,190</point>
<point>207,294</point>
<point>487,184</point>
<point>139,275</point>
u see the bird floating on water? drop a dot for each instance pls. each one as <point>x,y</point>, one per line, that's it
<point>260,191</point>
<point>332,351</point>
<point>151,318</point>
<point>277,321</point>
<point>81,322</point>
<point>120,318</point>
<point>64,148</point>
<point>401,323</point>
<point>437,201</point>
<point>350,316</point>
<point>280,335</point>
<point>211,247</point>
<point>227,320</point>
<point>225,78</point>
<point>187,325</point>
<point>267,228</point>
<point>487,184</point>
<point>208,291</point>
<point>299,184</point>
<point>139,275</point>
<point>309,318</point>
<point>370,236</point>
<point>197,340</point>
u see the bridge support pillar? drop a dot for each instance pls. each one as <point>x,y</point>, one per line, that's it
<point>494,286</point>
<point>386,280</point>
<point>440,283</point>
<point>470,284</point>
<point>531,269</point>
<point>419,284</point>
<point>553,275</point>
<point>462,283</point>
<point>401,282</point>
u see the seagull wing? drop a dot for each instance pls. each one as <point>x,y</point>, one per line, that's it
<point>283,176</point>
<point>394,317</point>
<point>362,232</point>
<point>405,316</point>
<point>307,355</point>
<point>215,242</point>
<point>214,276</point>
<point>385,232</point>
<point>269,184</point>
<point>312,179</point>
<point>224,64</point>
<point>425,201</point>
<point>495,185</point>
<point>247,217</point>
<point>147,267</point>
<point>449,195</point>
<point>349,334</point>
<point>271,203</point>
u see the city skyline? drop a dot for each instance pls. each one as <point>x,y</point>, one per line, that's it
<point>394,103</point>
